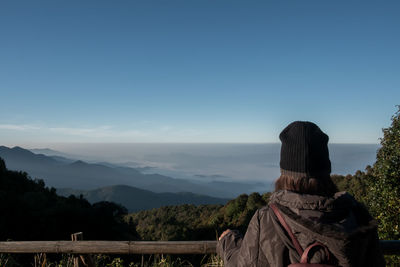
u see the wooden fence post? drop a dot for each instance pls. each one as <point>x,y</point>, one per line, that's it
<point>81,260</point>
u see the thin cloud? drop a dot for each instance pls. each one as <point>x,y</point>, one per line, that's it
<point>89,132</point>
<point>105,133</point>
<point>18,127</point>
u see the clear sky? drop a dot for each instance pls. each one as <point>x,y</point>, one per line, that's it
<point>196,70</point>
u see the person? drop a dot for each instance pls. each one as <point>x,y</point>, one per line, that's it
<point>309,202</point>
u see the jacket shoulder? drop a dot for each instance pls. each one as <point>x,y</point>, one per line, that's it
<point>262,212</point>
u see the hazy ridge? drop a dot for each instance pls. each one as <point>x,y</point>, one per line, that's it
<point>135,199</point>
<point>61,172</point>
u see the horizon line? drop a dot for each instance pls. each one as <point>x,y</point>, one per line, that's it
<point>166,143</point>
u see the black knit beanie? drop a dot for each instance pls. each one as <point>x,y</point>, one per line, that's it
<point>304,151</point>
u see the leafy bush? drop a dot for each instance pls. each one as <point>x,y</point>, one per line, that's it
<point>384,185</point>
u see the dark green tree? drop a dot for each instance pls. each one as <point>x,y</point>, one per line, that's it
<point>384,194</point>
<point>31,211</point>
<point>385,183</point>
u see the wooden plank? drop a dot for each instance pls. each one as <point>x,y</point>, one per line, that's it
<point>172,247</point>
<point>110,247</point>
<point>85,260</point>
<point>77,236</point>
<point>389,247</point>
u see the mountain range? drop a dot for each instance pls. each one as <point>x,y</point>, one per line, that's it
<point>62,172</point>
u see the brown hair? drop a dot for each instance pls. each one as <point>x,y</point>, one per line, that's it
<point>322,186</point>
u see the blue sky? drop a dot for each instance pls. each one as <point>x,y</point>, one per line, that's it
<point>196,71</point>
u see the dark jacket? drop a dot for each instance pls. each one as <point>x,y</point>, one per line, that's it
<point>340,223</point>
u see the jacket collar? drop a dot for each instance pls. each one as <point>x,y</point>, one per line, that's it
<point>296,201</point>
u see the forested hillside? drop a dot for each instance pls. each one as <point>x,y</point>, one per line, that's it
<point>189,222</point>
<point>31,211</point>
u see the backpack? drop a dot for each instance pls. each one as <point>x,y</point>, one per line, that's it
<point>303,254</point>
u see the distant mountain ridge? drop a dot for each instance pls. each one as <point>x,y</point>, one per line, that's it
<point>60,172</point>
<point>135,199</point>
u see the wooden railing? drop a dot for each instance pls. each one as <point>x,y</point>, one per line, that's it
<point>389,247</point>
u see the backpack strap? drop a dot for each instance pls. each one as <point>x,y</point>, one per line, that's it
<point>288,229</point>
<point>304,256</point>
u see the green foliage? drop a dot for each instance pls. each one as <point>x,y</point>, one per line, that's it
<point>31,211</point>
<point>185,222</point>
<point>190,222</point>
<point>356,185</point>
<point>384,185</point>
<point>238,212</point>
<point>378,187</point>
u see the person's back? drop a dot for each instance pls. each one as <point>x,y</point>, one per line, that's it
<point>307,199</point>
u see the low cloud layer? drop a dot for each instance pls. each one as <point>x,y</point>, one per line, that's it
<point>104,133</point>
